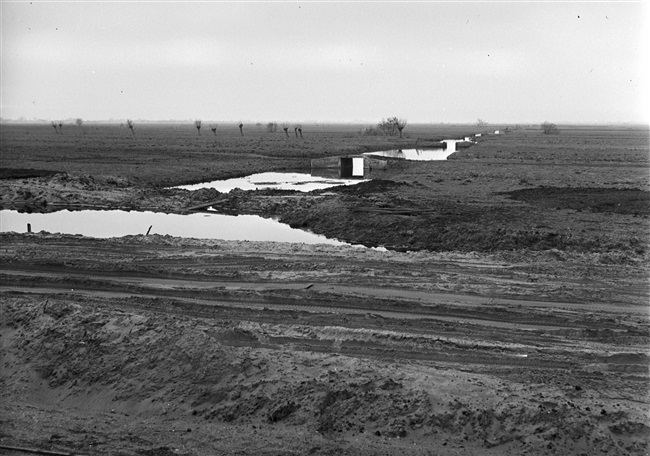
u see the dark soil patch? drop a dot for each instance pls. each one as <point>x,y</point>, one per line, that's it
<point>372,186</point>
<point>611,200</point>
<point>24,173</point>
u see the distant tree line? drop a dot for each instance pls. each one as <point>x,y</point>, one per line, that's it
<point>271,127</point>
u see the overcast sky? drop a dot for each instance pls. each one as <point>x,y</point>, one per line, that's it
<point>326,61</point>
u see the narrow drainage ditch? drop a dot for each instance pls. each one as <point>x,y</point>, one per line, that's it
<point>425,153</point>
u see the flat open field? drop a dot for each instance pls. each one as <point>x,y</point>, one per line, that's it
<point>508,315</point>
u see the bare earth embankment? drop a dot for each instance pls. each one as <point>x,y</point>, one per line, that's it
<point>508,316</point>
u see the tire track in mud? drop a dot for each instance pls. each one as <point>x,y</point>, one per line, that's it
<point>549,334</point>
<point>51,288</point>
<point>484,342</point>
<point>328,298</point>
<point>321,298</point>
<point>342,291</point>
<point>465,350</point>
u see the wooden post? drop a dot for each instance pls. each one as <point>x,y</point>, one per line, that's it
<point>29,227</point>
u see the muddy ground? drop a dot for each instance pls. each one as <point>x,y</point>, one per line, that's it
<point>508,315</point>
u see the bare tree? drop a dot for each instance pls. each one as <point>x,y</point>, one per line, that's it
<point>388,126</point>
<point>300,130</point>
<point>129,123</point>
<point>295,130</point>
<point>481,123</point>
<point>549,128</point>
<point>197,124</point>
<point>214,129</point>
<point>272,127</point>
<point>241,129</point>
<point>55,130</point>
<point>60,127</point>
<point>285,127</point>
<point>401,123</point>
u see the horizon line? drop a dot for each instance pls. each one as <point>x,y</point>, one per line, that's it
<point>323,122</point>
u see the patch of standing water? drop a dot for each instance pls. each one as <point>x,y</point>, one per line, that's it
<point>422,154</point>
<point>106,224</point>
<point>302,182</point>
<point>415,154</point>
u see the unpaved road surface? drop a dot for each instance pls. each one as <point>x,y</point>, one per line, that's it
<point>159,345</point>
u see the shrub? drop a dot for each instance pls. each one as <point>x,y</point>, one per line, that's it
<point>549,128</point>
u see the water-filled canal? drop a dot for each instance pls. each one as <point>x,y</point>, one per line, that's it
<point>424,154</point>
<point>320,179</point>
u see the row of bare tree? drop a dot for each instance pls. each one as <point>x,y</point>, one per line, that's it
<point>213,128</point>
<point>272,127</point>
<point>58,126</point>
<point>386,127</point>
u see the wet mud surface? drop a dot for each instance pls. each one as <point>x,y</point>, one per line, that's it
<point>607,200</point>
<point>508,316</point>
<point>363,351</point>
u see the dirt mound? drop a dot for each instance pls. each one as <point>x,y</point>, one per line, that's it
<point>150,364</point>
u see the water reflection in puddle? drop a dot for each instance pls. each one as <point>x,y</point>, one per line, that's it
<point>428,154</point>
<point>106,224</point>
<point>415,154</point>
<point>302,182</point>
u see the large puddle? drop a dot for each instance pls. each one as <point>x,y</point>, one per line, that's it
<point>106,224</point>
<point>303,182</point>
